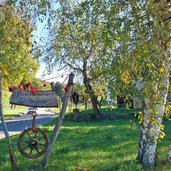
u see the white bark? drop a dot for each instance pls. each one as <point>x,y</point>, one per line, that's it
<point>169,54</point>
<point>169,154</point>
<point>152,118</point>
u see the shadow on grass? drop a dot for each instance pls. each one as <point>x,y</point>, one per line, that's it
<point>97,146</point>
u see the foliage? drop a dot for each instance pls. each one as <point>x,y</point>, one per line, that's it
<point>81,90</point>
<point>132,41</point>
<point>77,39</point>
<point>16,61</point>
<point>6,98</point>
<point>99,91</point>
<point>34,85</point>
<point>78,46</point>
<point>106,114</point>
<point>57,87</point>
<point>40,84</point>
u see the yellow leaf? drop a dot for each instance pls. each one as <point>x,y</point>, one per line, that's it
<point>126,77</point>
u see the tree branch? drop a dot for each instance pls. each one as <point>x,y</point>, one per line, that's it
<point>96,76</point>
<point>71,66</point>
<point>165,19</point>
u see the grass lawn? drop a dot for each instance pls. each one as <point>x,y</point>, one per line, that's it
<point>91,146</point>
<point>10,113</point>
<point>7,111</point>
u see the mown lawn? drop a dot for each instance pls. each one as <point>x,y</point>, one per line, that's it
<point>7,111</point>
<point>10,113</point>
<point>91,146</point>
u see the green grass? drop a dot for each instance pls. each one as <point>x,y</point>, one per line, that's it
<point>10,113</point>
<point>94,146</point>
<point>6,98</point>
<point>88,115</point>
<point>7,111</point>
<point>91,145</point>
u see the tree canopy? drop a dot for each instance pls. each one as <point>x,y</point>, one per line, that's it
<point>16,61</point>
<point>132,39</point>
<point>125,43</point>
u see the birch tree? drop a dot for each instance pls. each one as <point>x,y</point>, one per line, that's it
<point>77,44</point>
<point>137,35</point>
<point>143,60</point>
<point>155,91</point>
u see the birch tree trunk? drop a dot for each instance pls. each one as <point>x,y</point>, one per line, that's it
<point>169,54</point>
<point>153,108</point>
<point>58,123</point>
<point>11,151</point>
<point>154,103</point>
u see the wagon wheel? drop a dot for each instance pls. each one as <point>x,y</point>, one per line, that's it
<point>32,143</point>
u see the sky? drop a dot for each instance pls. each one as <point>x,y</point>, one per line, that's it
<point>42,72</point>
<point>42,32</point>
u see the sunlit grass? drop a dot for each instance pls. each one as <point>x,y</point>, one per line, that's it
<point>95,146</point>
<point>10,113</point>
<point>92,145</point>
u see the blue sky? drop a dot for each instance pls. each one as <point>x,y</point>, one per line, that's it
<point>40,33</point>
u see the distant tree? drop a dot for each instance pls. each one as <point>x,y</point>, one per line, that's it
<point>141,60</point>
<point>40,84</point>
<point>84,96</point>
<point>78,46</point>
<point>100,90</point>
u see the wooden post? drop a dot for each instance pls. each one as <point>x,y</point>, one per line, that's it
<point>12,155</point>
<point>59,122</point>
